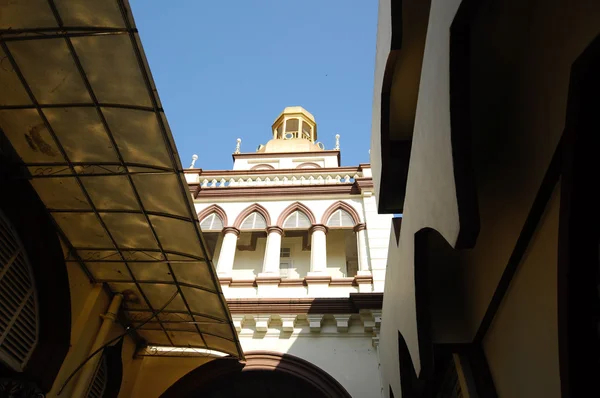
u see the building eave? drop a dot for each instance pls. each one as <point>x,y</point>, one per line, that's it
<point>93,140</point>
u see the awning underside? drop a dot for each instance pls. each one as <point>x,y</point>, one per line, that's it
<point>79,106</point>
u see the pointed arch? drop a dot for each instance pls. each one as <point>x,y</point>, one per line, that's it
<point>213,209</point>
<point>262,166</point>
<point>292,208</point>
<point>308,165</point>
<point>340,205</point>
<point>255,207</point>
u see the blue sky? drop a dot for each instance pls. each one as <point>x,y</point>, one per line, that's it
<point>226,69</point>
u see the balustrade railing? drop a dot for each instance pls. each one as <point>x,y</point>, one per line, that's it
<point>273,180</point>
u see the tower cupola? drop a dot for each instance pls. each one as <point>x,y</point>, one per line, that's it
<point>294,130</point>
<point>295,122</point>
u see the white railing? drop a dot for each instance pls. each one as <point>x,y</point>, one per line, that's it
<point>274,180</point>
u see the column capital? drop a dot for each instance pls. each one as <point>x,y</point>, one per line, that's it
<point>231,230</point>
<point>275,229</point>
<point>318,227</point>
<point>360,227</point>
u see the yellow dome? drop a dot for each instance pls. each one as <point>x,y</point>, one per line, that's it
<point>292,145</point>
<point>295,122</point>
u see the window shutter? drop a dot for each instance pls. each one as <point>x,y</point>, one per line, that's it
<point>285,261</point>
<point>98,384</point>
<point>303,221</point>
<point>212,223</point>
<point>18,300</point>
<point>254,221</point>
<point>346,219</point>
<point>248,222</point>
<point>291,221</point>
<point>340,218</point>
<point>297,220</point>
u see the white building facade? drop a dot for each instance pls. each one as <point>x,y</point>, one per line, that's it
<point>300,251</point>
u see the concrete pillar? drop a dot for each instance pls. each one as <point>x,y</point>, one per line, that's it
<point>228,248</point>
<point>87,372</point>
<point>272,251</point>
<point>361,245</point>
<point>318,251</point>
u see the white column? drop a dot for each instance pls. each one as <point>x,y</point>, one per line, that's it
<point>87,372</point>
<point>272,251</point>
<point>227,254</point>
<point>361,244</point>
<point>318,250</point>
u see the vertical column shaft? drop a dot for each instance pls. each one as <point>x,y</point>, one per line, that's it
<point>228,248</point>
<point>272,250</point>
<point>361,244</point>
<point>318,251</point>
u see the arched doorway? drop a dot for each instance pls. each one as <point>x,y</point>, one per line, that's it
<point>264,374</point>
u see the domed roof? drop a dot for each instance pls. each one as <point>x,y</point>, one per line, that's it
<point>292,145</point>
<point>289,110</point>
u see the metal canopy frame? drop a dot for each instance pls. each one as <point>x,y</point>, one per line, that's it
<point>81,150</point>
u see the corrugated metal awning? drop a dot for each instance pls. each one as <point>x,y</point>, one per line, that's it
<point>80,108</point>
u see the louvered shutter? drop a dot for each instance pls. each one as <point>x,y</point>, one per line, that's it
<point>18,300</point>
<point>98,384</point>
<point>212,223</point>
<point>297,220</point>
<point>254,221</point>
<point>346,219</point>
<point>340,218</point>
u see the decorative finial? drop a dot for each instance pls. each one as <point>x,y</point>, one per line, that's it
<point>337,142</point>
<point>237,146</point>
<point>194,158</point>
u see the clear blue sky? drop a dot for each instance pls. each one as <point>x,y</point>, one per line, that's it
<point>226,69</point>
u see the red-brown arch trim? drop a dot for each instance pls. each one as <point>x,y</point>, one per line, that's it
<point>306,164</point>
<point>292,208</point>
<point>218,370</point>
<point>249,210</point>
<point>263,166</point>
<point>213,209</point>
<point>340,205</point>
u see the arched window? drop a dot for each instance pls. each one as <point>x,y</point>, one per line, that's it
<point>212,223</point>
<point>254,221</point>
<point>340,218</point>
<point>98,384</point>
<point>297,220</point>
<point>292,128</point>
<point>263,166</point>
<point>306,131</point>
<point>18,301</point>
<point>308,165</point>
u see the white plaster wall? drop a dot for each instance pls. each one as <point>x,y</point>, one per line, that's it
<point>351,360</point>
<point>276,206</point>
<point>288,162</point>
<point>300,258</point>
<point>336,253</point>
<point>215,257</point>
<point>248,263</point>
<point>378,238</point>
<point>286,292</point>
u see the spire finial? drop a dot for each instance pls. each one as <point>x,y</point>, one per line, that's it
<point>194,158</point>
<point>337,142</point>
<point>237,146</point>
